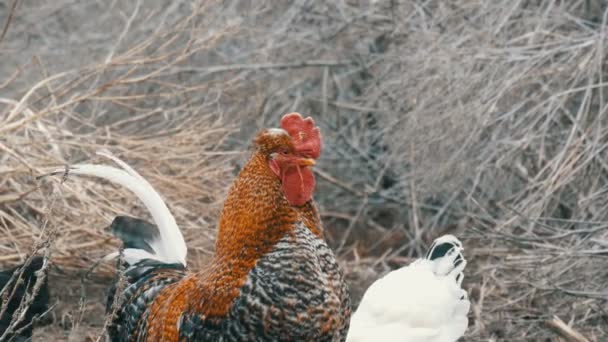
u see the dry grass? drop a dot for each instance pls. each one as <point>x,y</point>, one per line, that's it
<point>486,119</point>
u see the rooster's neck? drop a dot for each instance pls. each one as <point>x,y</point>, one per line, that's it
<point>255,214</point>
<point>255,218</point>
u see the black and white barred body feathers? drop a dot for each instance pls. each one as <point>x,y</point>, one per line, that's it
<point>296,292</point>
<point>284,297</point>
<point>143,282</point>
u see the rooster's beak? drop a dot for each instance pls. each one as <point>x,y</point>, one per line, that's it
<point>306,162</point>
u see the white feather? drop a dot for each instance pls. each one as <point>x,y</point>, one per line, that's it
<point>125,166</point>
<point>132,256</point>
<point>277,131</point>
<point>415,304</point>
<point>170,247</point>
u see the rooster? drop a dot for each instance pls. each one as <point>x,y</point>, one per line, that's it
<point>16,287</point>
<point>422,302</point>
<point>272,277</point>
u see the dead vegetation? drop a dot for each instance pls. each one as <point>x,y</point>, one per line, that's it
<point>485,119</point>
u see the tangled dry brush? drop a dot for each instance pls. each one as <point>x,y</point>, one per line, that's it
<point>486,119</point>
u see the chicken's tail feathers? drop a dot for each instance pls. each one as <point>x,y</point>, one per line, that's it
<point>442,245</point>
<point>448,262</point>
<point>162,241</point>
<point>140,239</point>
<point>135,233</point>
<point>446,257</point>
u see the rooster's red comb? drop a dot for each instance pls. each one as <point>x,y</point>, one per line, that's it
<point>306,136</point>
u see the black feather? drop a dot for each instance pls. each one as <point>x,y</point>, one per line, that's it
<point>20,288</point>
<point>134,232</point>
<point>440,250</point>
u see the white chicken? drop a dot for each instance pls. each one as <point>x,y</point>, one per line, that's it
<point>422,302</point>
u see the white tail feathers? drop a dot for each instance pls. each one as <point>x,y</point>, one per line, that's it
<point>422,302</point>
<point>170,246</point>
<point>445,256</point>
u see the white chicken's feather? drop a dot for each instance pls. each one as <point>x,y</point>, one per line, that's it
<point>422,302</point>
<point>170,247</point>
